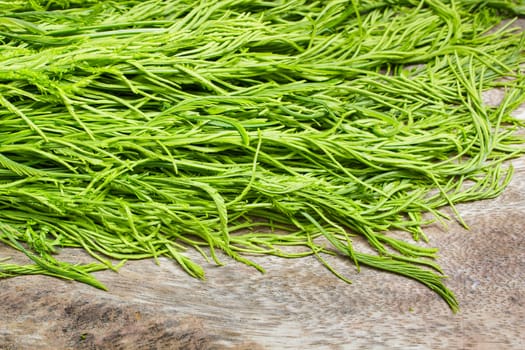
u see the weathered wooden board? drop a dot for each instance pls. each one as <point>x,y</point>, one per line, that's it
<point>296,304</point>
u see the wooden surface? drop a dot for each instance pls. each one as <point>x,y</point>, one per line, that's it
<point>297,304</point>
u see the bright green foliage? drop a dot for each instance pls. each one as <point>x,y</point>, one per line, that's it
<point>138,129</point>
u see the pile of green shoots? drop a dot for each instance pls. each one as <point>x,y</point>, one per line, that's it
<point>138,129</point>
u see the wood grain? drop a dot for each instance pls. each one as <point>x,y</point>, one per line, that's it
<point>296,304</point>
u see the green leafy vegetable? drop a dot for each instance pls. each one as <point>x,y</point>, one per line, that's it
<point>139,129</point>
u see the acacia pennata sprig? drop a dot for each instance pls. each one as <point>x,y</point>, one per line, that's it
<point>140,129</point>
